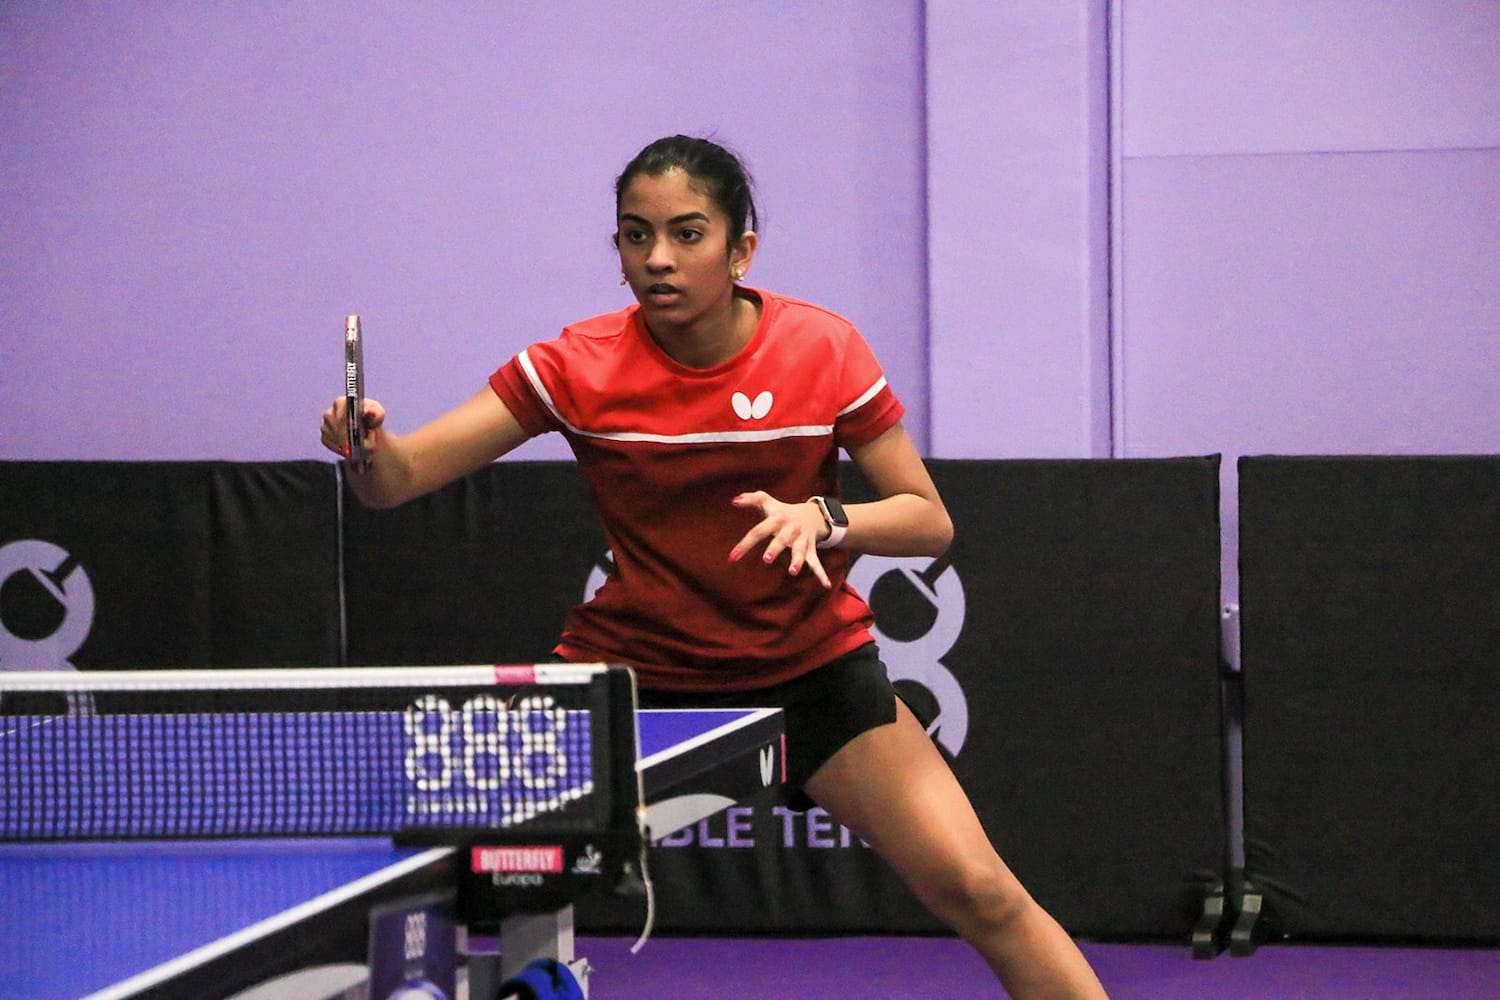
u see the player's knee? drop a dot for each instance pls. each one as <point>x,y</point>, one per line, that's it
<point>978,897</point>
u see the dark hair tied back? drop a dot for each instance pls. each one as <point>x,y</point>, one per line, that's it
<point>707,162</point>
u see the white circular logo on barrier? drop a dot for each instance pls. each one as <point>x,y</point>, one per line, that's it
<point>601,572</point>
<point>47,577</point>
<point>931,596</point>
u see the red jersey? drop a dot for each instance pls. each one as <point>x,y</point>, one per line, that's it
<point>664,448</point>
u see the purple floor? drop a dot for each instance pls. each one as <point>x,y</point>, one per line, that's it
<point>941,968</point>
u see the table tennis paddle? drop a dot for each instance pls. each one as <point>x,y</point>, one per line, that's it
<point>354,390</point>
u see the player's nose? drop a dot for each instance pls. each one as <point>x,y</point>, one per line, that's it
<point>661,260</point>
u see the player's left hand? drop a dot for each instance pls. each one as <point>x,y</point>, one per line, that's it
<point>793,528</point>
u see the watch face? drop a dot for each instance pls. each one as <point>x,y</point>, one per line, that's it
<point>835,511</point>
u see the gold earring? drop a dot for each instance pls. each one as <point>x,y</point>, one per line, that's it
<point>738,273</point>
<point>622,279</point>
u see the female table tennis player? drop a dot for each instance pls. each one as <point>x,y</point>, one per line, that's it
<point>707,418</point>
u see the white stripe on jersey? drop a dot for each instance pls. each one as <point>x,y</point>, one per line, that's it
<point>536,384</point>
<point>711,437</point>
<point>864,398</point>
<point>707,437</point>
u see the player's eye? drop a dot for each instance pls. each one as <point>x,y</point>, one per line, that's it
<point>690,235</point>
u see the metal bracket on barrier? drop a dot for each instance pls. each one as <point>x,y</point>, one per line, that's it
<point>1249,928</point>
<point>1208,940</point>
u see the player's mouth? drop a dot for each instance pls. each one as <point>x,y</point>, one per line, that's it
<point>662,294</point>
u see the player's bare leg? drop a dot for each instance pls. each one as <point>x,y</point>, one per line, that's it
<point>892,788</point>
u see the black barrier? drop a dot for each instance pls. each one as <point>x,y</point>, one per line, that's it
<point>1066,653</point>
<point>1095,664</point>
<point>481,571</point>
<point>114,565</point>
<point>1371,642</point>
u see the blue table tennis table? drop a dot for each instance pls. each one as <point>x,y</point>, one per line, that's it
<point>315,917</point>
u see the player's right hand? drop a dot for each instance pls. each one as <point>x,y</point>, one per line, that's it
<point>335,430</point>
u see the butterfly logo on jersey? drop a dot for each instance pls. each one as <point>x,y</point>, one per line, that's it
<point>746,410</point>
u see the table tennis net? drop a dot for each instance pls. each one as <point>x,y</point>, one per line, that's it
<point>338,751</point>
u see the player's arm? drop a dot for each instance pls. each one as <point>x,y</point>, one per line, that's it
<point>909,517</point>
<point>405,466</point>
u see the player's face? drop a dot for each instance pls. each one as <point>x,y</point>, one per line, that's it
<point>674,250</point>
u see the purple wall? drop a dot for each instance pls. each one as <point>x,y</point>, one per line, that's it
<point>1019,229</point>
<point>1069,229</point>
<point>1310,247</point>
<point>192,196</point>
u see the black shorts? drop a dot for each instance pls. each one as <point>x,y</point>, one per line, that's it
<point>824,709</point>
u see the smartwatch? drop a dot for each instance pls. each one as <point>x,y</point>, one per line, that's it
<point>838,521</point>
